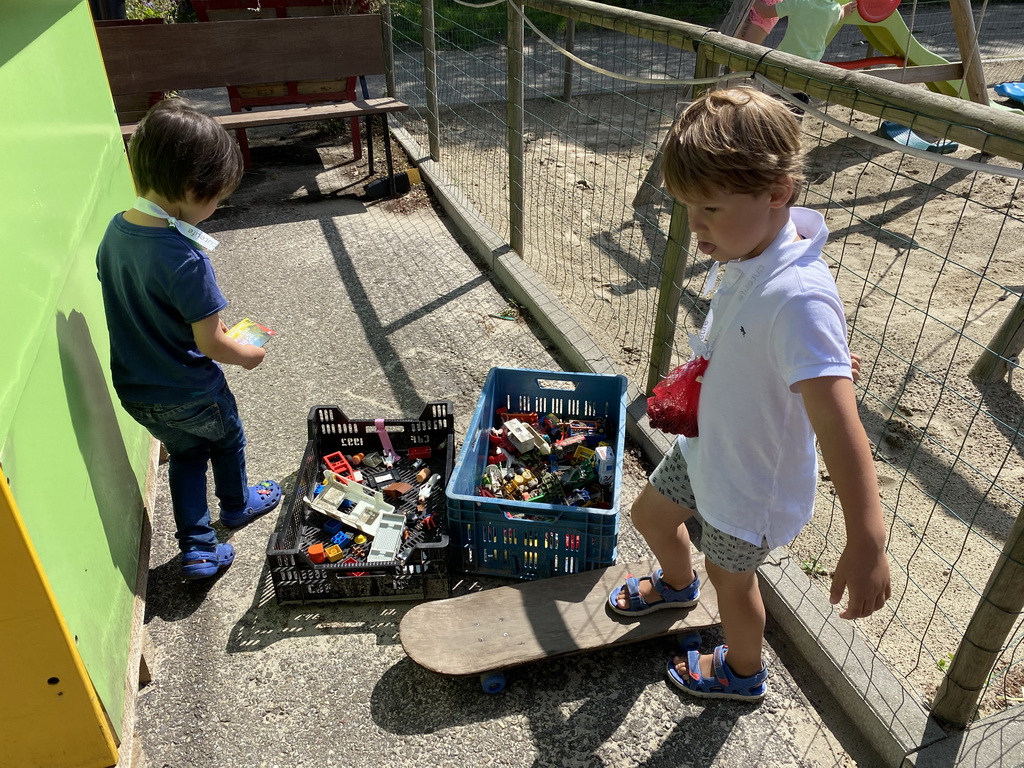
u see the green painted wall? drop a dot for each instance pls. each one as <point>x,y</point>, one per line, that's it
<point>76,463</point>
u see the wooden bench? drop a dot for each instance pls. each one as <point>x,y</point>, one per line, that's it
<point>141,59</point>
<point>292,92</point>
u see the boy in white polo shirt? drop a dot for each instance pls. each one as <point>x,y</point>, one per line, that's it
<point>778,372</point>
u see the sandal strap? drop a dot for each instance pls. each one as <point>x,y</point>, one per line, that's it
<point>669,593</point>
<point>636,600</point>
<point>728,678</point>
<point>722,673</point>
<point>693,667</point>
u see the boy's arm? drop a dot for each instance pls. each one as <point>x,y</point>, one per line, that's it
<point>863,568</point>
<point>213,341</point>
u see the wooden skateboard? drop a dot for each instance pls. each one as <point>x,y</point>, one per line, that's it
<point>490,631</point>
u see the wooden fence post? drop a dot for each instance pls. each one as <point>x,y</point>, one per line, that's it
<point>994,363</point>
<point>570,46</point>
<point>389,50</point>
<point>671,290</point>
<point>998,611</point>
<point>430,80</point>
<point>970,56</point>
<point>516,142</point>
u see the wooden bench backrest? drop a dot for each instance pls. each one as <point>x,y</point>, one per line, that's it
<point>164,57</point>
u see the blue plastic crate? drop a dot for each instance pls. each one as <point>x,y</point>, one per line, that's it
<point>530,540</point>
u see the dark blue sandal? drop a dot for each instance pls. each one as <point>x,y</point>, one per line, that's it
<point>670,598</point>
<point>724,685</point>
<point>263,497</point>
<point>202,564</point>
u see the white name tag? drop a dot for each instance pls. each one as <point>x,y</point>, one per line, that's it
<point>193,233</point>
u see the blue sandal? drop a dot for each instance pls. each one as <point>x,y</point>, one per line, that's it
<point>724,685</point>
<point>670,598</point>
<point>202,564</point>
<point>263,497</point>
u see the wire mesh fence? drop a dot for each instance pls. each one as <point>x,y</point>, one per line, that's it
<point>926,255</point>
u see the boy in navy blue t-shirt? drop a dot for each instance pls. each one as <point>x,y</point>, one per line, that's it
<point>163,309</point>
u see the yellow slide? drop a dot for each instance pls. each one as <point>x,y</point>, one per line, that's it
<point>891,37</point>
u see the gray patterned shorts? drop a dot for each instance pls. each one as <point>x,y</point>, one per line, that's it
<point>727,552</point>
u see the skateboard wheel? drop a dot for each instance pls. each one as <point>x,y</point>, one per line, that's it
<point>493,682</point>
<point>690,641</point>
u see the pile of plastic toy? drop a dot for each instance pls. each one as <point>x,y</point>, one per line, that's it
<point>543,459</point>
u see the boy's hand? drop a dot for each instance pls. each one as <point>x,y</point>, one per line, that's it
<point>855,366</point>
<point>866,575</point>
<point>255,357</point>
<point>213,341</point>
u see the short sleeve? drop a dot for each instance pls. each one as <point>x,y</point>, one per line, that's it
<point>808,339</point>
<point>194,291</point>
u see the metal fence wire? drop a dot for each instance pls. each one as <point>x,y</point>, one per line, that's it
<point>926,250</point>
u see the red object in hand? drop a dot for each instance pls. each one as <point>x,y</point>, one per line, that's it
<point>672,406</point>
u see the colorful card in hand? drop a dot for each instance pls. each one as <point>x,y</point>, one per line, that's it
<point>248,331</point>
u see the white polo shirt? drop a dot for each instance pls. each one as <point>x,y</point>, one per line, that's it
<point>753,469</point>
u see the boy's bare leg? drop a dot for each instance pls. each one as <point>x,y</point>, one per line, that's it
<point>662,524</point>
<point>743,617</point>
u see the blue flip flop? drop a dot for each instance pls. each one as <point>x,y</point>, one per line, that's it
<point>724,685</point>
<point>670,598</point>
<point>903,135</point>
<point>263,497</point>
<point>202,564</point>
<point>1012,91</point>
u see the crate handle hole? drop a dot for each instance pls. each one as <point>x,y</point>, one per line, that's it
<point>569,386</point>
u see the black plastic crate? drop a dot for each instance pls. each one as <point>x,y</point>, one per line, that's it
<point>421,569</point>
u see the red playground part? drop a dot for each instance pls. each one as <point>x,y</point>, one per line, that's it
<point>875,11</point>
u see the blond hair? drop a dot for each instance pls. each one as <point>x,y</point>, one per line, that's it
<point>736,139</point>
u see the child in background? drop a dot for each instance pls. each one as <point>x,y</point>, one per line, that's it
<point>810,22</point>
<point>779,372</point>
<point>163,307</point>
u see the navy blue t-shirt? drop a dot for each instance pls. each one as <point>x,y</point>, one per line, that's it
<point>155,284</point>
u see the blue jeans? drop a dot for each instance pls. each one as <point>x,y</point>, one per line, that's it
<point>197,433</point>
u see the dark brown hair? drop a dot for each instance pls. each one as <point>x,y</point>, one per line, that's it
<point>737,139</point>
<point>177,150</point>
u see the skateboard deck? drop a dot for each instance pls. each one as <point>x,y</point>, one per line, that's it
<point>499,628</point>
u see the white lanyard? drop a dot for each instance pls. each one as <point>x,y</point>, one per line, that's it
<point>193,233</point>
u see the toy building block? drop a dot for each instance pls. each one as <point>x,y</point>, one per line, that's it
<point>333,552</point>
<point>332,525</point>
<point>604,464</point>
<point>504,415</point>
<point>338,464</point>
<point>423,474</point>
<point>428,488</point>
<point>582,454</point>
<point>419,452</point>
<point>362,510</point>
<point>396,491</point>
<point>563,445</point>
<point>388,539</point>
<point>525,437</point>
<point>316,553</point>
<point>373,460</point>
<point>342,539</point>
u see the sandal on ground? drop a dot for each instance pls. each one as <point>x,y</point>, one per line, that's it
<point>670,598</point>
<point>263,497</point>
<point>202,564</point>
<point>724,685</point>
